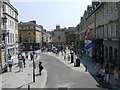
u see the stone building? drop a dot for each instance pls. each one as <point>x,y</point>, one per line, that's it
<point>64,36</point>
<point>44,38</point>
<point>59,36</point>
<point>31,35</point>
<point>9,31</point>
<point>102,19</point>
<point>70,36</point>
<point>0,35</point>
<point>49,39</point>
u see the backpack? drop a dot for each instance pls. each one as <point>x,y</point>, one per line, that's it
<point>40,67</point>
<point>21,61</point>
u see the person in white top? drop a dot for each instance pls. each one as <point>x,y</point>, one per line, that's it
<point>21,65</point>
<point>116,76</point>
<point>10,63</point>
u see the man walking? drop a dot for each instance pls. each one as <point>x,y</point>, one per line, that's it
<point>23,60</point>
<point>31,55</point>
<point>40,67</point>
<point>26,54</point>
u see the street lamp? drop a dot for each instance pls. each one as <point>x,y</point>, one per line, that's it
<point>33,67</point>
<point>5,34</point>
<point>4,20</point>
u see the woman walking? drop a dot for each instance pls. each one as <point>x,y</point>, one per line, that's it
<point>10,63</point>
<point>116,76</point>
<point>21,65</point>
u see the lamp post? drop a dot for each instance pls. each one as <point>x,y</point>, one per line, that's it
<point>33,66</point>
<point>5,34</point>
<point>33,69</point>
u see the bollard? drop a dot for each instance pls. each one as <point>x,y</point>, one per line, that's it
<point>28,87</point>
<point>72,57</point>
<point>86,68</point>
<point>64,57</point>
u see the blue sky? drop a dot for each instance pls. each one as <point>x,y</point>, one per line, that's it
<point>49,14</point>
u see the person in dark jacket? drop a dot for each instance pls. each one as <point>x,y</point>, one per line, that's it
<point>23,61</point>
<point>40,67</point>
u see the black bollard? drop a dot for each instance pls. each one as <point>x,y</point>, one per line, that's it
<point>28,87</point>
<point>85,68</point>
<point>72,57</point>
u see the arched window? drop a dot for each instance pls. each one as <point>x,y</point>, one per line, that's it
<point>106,52</point>
<point>115,55</point>
<point>110,54</point>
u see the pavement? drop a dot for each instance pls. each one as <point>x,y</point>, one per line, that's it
<point>17,79</point>
<point>91,65</point>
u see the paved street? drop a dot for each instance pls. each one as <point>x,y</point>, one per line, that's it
<point>87,60</point>
<point>60,75</point>
<point>57,73</point>
<point>16,79</point>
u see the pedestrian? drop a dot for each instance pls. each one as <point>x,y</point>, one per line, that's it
<point>9,56</point>
<point>40,67</point>
<point>86,68</point>
<point>36,54</point>
<point>19,57</point>
<point>31,55</point>
<point>19,52</point>
<point>46,50</point>
<point>68,57</point>
<point>64,56</point>
<point>23,60</point>
<point>116,76</point>
<point>26,54</point>
<point>107,73</point>
<point>64,51</point>
<point>10,63</point>
<point>21,65</point>
<point>102,75</point>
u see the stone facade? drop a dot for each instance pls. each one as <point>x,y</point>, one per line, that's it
<point>30,34</point>
<point>103,20</point>
<point>10,31</point>
<point>63,36</point>
<point>0,35</point>
<point>59,36</point>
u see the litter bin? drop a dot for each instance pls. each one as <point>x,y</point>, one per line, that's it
<point>72,56</point>
<point>77,62</point>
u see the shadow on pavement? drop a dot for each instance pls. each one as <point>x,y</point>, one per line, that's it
<point>37,75</point>
<point>17,71</point>
<point>90,63</point>
<point>24,85</point>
